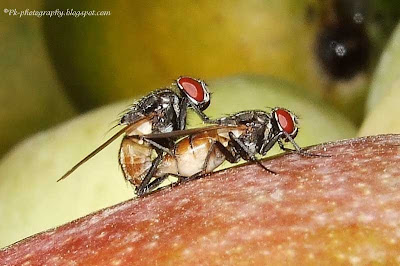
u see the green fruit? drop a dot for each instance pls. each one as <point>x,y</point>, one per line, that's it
<point>142,46</point>
<point>384,117</point>
<point>383,102</point>
<point>387,72</point>
<point>31,169</point>
<point>35,201</point>
<point>238,93</point>
<point>30,96</point>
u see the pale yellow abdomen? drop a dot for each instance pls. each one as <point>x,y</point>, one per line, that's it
<point>194,155</point>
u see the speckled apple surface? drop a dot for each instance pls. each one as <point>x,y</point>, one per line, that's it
<point>342,209</point>
<point>31,201</point>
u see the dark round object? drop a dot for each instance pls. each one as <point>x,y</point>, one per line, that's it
<point>343,50</point>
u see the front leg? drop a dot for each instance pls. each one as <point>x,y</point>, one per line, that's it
<point>282,146</point>
<point>182,114</point>
<point>245,153</point>
<point>269,143</point>
<point>203,116</point>
<point>298,149</point>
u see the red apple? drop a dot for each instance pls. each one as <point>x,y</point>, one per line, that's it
<point>341,209</point>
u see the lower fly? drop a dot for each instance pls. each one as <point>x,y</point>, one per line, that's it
<point>244,135</point>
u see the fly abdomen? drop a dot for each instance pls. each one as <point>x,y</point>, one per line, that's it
<point>135,157</point>
<point>193,155</point>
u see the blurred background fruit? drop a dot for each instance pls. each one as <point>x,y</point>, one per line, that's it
<point>383,109</point>
<point>99,183</point>
<point>383,18</point>
<point>323,46</point>
<point>387,71</point>
<point>384,117</point>
<point>31,98</point>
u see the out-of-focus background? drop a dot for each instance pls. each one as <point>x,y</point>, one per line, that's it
<point>68,72</point>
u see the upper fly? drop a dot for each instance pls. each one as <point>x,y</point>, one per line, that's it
<point>161,111</point>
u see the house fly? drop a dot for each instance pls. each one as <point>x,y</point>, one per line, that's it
<point>199,151</point>
<point>161,111</point>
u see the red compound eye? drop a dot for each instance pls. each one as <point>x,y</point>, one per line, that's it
<point>192,87</point>
<point>285,120</point>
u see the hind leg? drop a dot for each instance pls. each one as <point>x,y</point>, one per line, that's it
<point>152,186</point>
<point>143,188</point>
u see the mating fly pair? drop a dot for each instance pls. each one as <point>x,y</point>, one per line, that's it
<point>201,150</point>
<point>156,144</point>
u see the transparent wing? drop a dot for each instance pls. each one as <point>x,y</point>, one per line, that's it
<point>100,148</point>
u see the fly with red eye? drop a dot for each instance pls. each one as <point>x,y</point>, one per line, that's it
<point>170,107</point>
<point>161,111</point>
<point>199,151</point>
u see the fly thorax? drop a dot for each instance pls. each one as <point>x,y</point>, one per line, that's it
<point>168,128</point>
<point>176,105</point>
<point>268,129</point>
<point>252,147</point>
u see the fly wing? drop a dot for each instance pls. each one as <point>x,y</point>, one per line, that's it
<point>125,129</point>
<point>186,132</point>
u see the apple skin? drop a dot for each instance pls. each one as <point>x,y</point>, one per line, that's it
<point>31,98</point>
<point>337,210</point>
<point>99,183</point>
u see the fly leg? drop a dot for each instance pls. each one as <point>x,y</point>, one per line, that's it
<point>229,156</point>
<point>153,143</point>
<point>183,110</point>
<point>156,182</point>
<point>204,117</point>
<point>298,149</point>
<point>144,186</point>
<point>245,153</point>
<point>270,143</point>
<point>214,145</point>
<point>182,113</point>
